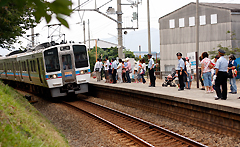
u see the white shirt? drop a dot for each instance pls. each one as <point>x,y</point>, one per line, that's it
<point>180,64</point>
<point>188,66</point>
<point>144,66</point>
<point>151,62</point>
<point>97,65</point>
<point>119,67</point>
<point>106,65</point>
<point>222,64</point>
<point>114,65</point>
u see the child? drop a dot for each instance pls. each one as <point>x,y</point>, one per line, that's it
<point>135,76</point>
<point>110,74</point>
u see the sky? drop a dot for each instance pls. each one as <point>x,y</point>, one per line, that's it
<point>102,27</point>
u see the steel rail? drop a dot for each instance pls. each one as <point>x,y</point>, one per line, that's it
<point>121,130</point>
<point>152,126</point>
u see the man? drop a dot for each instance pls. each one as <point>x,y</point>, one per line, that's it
<point>97,69</point>
<point>180,71</point>
<point>221,73</point>
<point>100,61</point>
<point>114,70</point>
<point>128,68</point>
<point>151,70</point>
<point>106,67</point>
<point>189,80</point>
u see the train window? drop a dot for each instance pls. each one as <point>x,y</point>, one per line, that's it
<point>34,66</point>
<point>80,54</point>
<point>24,66</point>
<point>31,65</point>
<point>51,60</point>
<point>1,67</point>
<point>63,48</point>
<point>67,62</point>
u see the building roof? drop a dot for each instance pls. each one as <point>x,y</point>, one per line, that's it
<point>100,43</point>
<point>229,6</point>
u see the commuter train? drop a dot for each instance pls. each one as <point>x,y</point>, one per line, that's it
<point>56,69</point>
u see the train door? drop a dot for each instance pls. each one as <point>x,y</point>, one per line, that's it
<point>28,69</point>
<point>39,70</point>
<point>68,70</point>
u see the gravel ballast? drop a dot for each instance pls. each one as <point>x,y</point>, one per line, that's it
<point>80,130</point>
<point>201,135</point>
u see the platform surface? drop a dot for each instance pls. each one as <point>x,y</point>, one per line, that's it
<point>193,96</point>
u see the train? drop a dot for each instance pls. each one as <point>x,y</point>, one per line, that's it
<point>49,68</point>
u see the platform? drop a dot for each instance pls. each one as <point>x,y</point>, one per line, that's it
<point>193,96</point>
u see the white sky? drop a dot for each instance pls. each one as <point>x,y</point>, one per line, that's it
<point>101,27</point>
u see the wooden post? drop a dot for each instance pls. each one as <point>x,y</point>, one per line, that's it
<point>96,48</point>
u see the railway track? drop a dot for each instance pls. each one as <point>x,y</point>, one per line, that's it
<point>140,132</point>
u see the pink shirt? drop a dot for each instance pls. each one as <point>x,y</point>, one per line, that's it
<point>205,62</point>
<point>128,66</point>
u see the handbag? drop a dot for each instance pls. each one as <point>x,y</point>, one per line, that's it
<point>97,69</point>
<point>234,73</point>
<point>143,72</point>
<point>230,74</point>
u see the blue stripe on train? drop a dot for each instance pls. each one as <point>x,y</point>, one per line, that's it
<point>58,75</point>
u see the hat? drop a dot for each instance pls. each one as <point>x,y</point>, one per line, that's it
<point>127,59</point>
<point>149,54</point>
<point>221,51</point>
<point>187,58</point>
<point>179,54</point>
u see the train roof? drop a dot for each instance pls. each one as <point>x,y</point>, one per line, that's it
<point>38,49</point>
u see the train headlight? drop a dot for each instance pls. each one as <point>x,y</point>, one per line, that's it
<point>54,76</point>
<point>82,72</point>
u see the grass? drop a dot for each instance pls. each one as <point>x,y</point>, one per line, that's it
<point>22,125</point>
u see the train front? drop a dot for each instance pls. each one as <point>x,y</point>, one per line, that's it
<point>67,69</point>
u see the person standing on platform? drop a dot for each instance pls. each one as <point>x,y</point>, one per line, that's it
<point>206,72</point>
<point>119,71</point>
<point>189,79</point>
<point>128,70</point>
<point>123,72</point>
<point>114,70</point>
<point>100,61</point>
<point>106,67</point>
<point>97,69</point>
<point>151,70</point>
<point>232,65</point>
<point>221,73</point>
<point>200,71</point>
<point>179,69</point>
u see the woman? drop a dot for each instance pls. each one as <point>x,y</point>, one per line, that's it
<point>232,64</point>
<point>206,72</point>
<point>119,71</point>
<point>189,79</point>
<point>200,71</point>
<point>123,72</point>
<point>143,71</point>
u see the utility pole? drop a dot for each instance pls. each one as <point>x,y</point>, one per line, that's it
<point>149,35</point>
<point>32,31</point>
<point>89,35</point>
<point>96,48</point>
<point>197,41</point>
<point>84,39</point>
<point>120,39</point>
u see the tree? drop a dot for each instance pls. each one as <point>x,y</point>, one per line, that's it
<point>229,50</point>
<point>17,16</point>
<point>128,53</point>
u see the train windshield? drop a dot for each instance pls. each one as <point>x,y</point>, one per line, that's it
<point>51,60</point>
<point>80,54</point>
<point>67,62</point>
